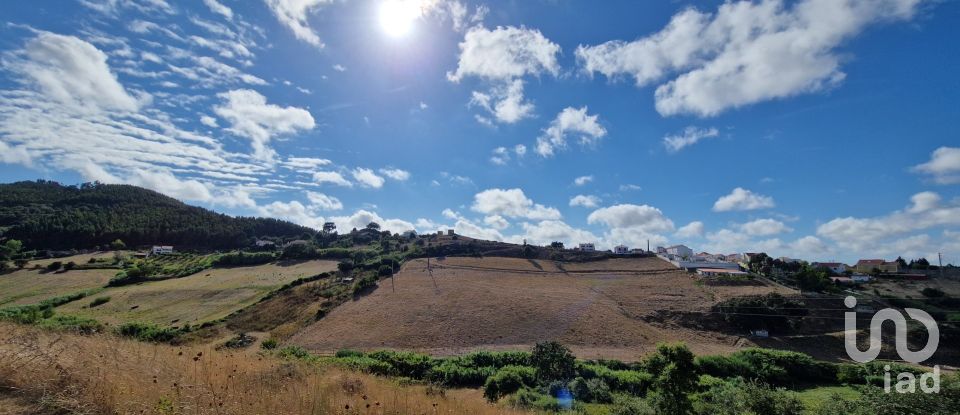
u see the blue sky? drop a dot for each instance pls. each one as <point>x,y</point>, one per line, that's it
<point>818,129</point>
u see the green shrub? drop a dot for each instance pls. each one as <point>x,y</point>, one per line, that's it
<point>148,332</point>
<point>591,390</point>
<point>99,301</point>
<point>453,373</point>
<point>625,405</point>
<point>293,352</point>
<point>368,365</point>
<point>530,399</point>
<point>241,258</point>
<point>507,380</point>
<point>55,265</point>
<point>774,367</point>
<point>269,344</point>
<point>497,359</point>
<point>737,397</point>
<point>348,353</point>
<point>553,361</point>
<point>74,324</point>
<point>407,364</point>
<point>365,285</point>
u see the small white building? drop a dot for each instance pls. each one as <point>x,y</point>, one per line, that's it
<point>621,250</point>
<point>720,272</point>
<point>861,278</point>
<point>161,250</point>
<point>264,243</point>
<point>681,251</point>
<point>760,333</point>
<point>588,247</point>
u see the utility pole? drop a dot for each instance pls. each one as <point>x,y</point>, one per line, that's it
<point>940,257</point>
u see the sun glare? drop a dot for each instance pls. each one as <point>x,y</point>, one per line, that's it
<point>398,16</point>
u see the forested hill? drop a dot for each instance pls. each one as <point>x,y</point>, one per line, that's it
<point>48,215</point>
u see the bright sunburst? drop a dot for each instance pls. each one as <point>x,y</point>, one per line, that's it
<point>398,16</point>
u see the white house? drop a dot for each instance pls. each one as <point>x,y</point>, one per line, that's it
<point>263,243</point>
<point>161,250</point>
<point>588,247</point>
<point>861,278</point>
<point>680,251</point>
<point>621,250</point>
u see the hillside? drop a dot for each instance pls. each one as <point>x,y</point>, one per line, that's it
<point>48,215</point>
<point>604,309</point>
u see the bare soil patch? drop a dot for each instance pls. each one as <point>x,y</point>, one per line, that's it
<point>602,309</point>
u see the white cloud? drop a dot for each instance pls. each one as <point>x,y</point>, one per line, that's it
<point>361,218</point>
<point>582,180</point>
<point>505,53</point>
<point>250,116</point>
<point>331,177</point>
<point>629,187</point>
<point>944,165</point>
<point>396,174</point>
<point>643,217</point>
<point>743,199</point>
<point>746,52</point>
<point>339,68</point>
<point>764,227</point>
<point>321,201</point>
<point>512,203</point>
<point>218,8</point>
<point>570,121</point>
<point>503,56</point>
<point>88,123</point>
<point>423,105</point>
<point>293,211</point>
<point>501,156</point>
<point>520,150</point>
<point>294,13</point>
<point>305,163</point>
<point>547,231</point>
<point>367,178</point>
<point>73,72</point>
<point>209,121</point>
<point>864,235</point>
<point>587,201</point>
<point>690,136</point>
<point>496,222</point>
<point>691,230</point>
<point>505,102</point>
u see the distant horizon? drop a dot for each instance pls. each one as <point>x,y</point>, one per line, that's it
<point>826,132</point>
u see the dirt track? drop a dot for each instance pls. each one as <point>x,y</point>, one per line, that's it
<point>505,303</point>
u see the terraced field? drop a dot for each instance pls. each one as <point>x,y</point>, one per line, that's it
<point>205,296</point>
<point>28,286</point>
<point>600,309</point>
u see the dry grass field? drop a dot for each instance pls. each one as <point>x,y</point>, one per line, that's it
<point>508,303</point>
<point>28,286</point>
<point>50,373</point>
<point>208,295</point>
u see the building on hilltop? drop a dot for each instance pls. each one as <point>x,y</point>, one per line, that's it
<point>621,250</point>
<point>681,251</point>
<point>866,266</point>
<point>588,247</point>
<point>161,250</point>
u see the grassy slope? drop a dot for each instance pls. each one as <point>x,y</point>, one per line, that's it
<point>206,296</point>
<point>105,374</point>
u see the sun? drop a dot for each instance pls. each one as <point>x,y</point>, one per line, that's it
<point>398,16</point>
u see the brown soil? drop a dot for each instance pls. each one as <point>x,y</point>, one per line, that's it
<point>600,309</point>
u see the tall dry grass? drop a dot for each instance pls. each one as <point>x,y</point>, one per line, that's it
<point>108,375</point>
